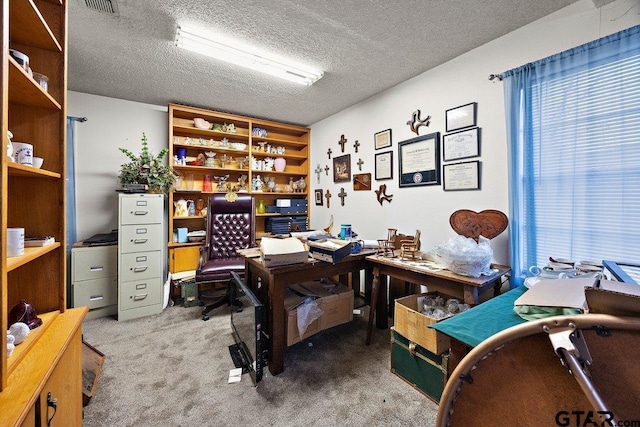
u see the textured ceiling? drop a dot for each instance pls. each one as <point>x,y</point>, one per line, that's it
<point>363,46</point>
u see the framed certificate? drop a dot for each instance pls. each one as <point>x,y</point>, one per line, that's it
<point>462,176</point>
<point>419,161</point>
<point>461,117</point>
<point>384,165</point>
<point>382,139</point>
<point>461,145</point>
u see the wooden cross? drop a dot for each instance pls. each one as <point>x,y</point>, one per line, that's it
<point>360,163</point>
<point>327,169</point>
<point>318,171</point>
<point>327,195</point>
<point>356,145</point>
<point>329,152</point>
<point>342,141</point>
<point>342,195</point>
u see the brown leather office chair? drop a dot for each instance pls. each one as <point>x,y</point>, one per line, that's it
<point>230,226</point>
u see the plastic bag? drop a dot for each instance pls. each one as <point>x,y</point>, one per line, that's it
<point>307,313</point>
<point>463,255</point>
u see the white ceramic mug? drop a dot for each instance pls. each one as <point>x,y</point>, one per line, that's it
<point>23,153</point>
<point>15,242</point>
<point>37,162</point>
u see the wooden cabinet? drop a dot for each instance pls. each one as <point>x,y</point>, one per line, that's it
<point>141,259</point>
<point>94,279</point>
<point>217,152</point>
<point>34,199</point>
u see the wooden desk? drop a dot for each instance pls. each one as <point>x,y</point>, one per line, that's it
<point>455,285</point>
<point>268,284</point>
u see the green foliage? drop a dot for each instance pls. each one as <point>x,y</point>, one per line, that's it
<point>147,169</point>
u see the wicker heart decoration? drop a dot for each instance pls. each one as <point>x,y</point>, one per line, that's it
<point>488,223</point>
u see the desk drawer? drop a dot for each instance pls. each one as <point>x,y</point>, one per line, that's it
<point>96,293</point>
<point>140,293</point>
<point>141,265</point>
<point>139,238</point>
<point>94,263</point>
<point>145,209</point>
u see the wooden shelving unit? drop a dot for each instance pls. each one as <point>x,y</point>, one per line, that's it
<point>49,360</point>
<point>241,143</point>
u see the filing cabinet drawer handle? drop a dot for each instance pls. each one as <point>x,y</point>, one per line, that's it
<point>140,269</point>
<point>139,297</point>
<point>96,268</point>
<point>141,286</point>
<point>140,240</point>
<point>96,297</point>
<point>141,212</point>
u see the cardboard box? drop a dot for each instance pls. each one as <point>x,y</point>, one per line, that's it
<point>425,371</point>
<point>414,326</point>
<point>283,203</point>
<point>276,252</point>
<point>92,361</point>
<point>335,301</point>
<point>330,250</point>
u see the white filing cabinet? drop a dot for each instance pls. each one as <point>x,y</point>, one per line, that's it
<point>141,260</point>
<point>94,279</point>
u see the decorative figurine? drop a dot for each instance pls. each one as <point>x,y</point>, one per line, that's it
<point>210,161</point>
<point>221,182</point>
<point>257,183</point>
<point>415,123</point>
<point>242,182</point>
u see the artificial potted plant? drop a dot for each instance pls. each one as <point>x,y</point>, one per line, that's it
<point>147,169</point>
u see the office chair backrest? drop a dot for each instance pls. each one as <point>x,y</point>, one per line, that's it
<point>230,225</point>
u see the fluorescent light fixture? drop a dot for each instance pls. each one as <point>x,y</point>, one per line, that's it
<point>246,57</point>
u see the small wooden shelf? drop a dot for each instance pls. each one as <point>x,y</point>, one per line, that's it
<point>24,90</point>
<point>14,169</point>
<point>30,254</point>
<point>22,349</point>
<point>28,26</point>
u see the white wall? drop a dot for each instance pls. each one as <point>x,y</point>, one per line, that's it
<point>458,82</point>
<point>111,123</point>
<point>114,123</point>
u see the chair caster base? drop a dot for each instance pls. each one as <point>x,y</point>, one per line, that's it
<point>205,317</point>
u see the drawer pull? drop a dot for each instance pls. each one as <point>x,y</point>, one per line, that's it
<point>96,297</point>
<point>141,203</point>
<point>100,268</point>
<point>141,286</point>
<point>140,269</point>
<point>142,258</point>
<point>140,240</point>
<point>141,212</point>
<point>139,297</point>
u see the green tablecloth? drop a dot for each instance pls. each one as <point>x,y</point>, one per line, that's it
<point>484,320</point>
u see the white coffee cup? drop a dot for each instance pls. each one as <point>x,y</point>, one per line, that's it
<point>23,153</point>
<point>37,162</point>
<point>15,242</point>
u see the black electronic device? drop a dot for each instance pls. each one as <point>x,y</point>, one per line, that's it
<point>247,321</point>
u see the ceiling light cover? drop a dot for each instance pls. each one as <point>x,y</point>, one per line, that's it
<point>246,57</point>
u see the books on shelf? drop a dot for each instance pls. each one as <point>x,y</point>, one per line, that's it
<point>30,242</point>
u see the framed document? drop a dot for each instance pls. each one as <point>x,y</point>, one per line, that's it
<point>461,145</point>
<point>382,139</point>
<point>419,161</point>
<point>462,176</point>
<point>384,165</point>
<point>460,117</point>
<point>318,194</point>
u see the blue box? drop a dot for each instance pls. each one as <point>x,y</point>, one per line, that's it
<point>182,235</point>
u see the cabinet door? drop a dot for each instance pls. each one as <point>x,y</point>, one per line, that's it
<point>184,259</point>
<point>65,386</point>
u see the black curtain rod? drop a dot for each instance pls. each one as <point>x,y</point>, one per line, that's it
<point>78,119</point>
<point>492,77</point>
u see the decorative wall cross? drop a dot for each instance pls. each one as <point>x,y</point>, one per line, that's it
<point>342,194</point>
<point>356,145</point>
<point>342,141</point>
<point>327,196</point>
<point>329,152</point>
<point>360,163</point>
<point>318,171</point>
<point>327,169</point>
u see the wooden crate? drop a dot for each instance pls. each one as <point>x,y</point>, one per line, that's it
<point>92,360</point>
<point>413,325</point>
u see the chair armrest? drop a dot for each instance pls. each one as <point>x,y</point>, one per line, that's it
<point>202,258</point>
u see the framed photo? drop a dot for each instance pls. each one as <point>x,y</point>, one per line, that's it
<point>382,139</point>
<point>342,168</point>
<point>461,145</point>
<point>384,165</point>
<point>318,194</point>
<point>462,176</point>
<point>460,117</point>
<point>419,160</point>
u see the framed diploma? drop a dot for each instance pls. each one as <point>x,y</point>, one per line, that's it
<point>462,176</point>
<point>419,161</point>
<point>384,165</point>
<point>382,139</point>
<point>461,145</point>
<point>460,117</point>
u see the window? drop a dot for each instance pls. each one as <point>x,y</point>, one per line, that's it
<point>573,122</point>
